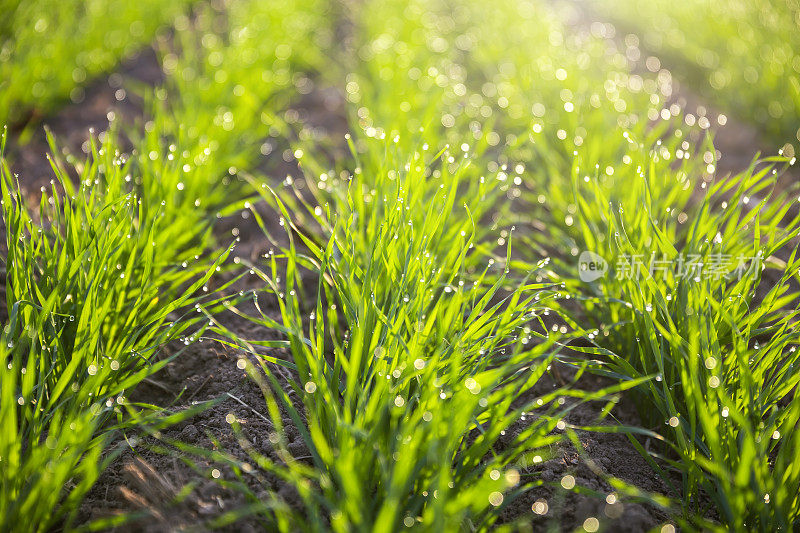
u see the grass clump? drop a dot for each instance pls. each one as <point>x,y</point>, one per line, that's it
<point>99,276</point>
<point>93,290</point>
<point>717,330</point>
<point>404,379</point>
<point>643,172</point>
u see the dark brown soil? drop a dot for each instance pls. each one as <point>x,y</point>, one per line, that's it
<point>147,481</point>
<point>603,456</point>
